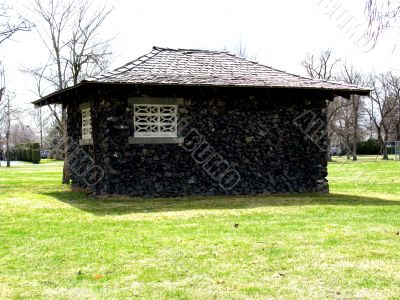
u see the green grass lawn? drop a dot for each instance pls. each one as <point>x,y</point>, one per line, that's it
<point>58,244</point>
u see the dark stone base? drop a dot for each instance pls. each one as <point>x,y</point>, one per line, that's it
<point>247,133</point>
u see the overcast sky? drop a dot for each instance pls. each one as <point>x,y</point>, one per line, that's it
<point>280,33</point>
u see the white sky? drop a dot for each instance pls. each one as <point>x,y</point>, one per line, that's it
<point>280,33</point>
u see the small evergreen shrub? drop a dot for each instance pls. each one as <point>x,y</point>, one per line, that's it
<point>370,147</point>
<point>27,152</point>
<point>35,153</point>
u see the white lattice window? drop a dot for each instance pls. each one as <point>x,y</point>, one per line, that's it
<point>86,124</point>
<point>155,120</point>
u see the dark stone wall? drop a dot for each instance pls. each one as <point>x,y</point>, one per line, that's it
<point>250,131</point>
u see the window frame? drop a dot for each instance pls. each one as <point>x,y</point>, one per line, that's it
<point>155,136</point>
<point>86,124</point>
<point>154,118</point>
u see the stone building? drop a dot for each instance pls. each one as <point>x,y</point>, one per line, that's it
<point>178,122</point>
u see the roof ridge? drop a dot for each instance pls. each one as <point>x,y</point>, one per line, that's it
<point>140,59</point>
<point>189,50</point>
<point>288,73</point>
<point>303,77</point>
<point>245,59</point>
<point>292,74</point>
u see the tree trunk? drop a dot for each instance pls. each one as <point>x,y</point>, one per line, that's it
<point>398,131</point>
<point>8,133</point>
<point>354,149</point>
<point>1,150</point>
<point>356,111</point>
<point>385,155</point>
<point>348,145</point>
<point>328,153</point>
<point>8,150</point>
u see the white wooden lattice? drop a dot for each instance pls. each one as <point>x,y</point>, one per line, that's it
<point>155,120</point>
<point>86,124</point>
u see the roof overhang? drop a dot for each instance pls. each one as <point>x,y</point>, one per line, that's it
<point>59,97</point>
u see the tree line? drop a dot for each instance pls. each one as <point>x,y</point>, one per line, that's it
<point>69,31</point>
<point>351,120</point>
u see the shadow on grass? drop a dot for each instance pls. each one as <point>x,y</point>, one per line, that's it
<point>120,206</point>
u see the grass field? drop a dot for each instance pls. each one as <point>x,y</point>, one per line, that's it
<point>57,244</point>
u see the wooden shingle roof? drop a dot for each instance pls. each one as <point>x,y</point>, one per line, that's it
<point>188,67</point>
<point>210,68</point>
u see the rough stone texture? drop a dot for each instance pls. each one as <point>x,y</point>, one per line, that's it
<point>251,129</point>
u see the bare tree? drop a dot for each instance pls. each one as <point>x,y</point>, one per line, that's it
<point>350,75</point>
<point>381,14</point>
<point>343,115</point>
<point>241,50</point>
<point>22,133</point>
<point>89,55</point>
<point>381,108</point>
<point>342,124</point>
<point>323,66</point>
<point>5,112</point>
<point>8,114</point>
<point>11,24</point>
<point>69,31</point>
<point>3,109</point>
<point>394,92</point>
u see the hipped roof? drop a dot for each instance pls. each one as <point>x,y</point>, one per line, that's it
<point>191,67</point>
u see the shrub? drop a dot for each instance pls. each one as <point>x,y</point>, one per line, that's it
<point>25,149</point>
<point>370,146</point>
<point>28,152</point>
<point>9,153</point>
<point>20,154</point>
<point>16,153</point>
<point>23,155</point>
<point>35,153</point>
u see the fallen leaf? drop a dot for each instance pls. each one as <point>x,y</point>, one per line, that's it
<point>97,276</point>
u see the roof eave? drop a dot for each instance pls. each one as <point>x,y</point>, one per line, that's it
<point>58,96</point>
<point>55,97</point>
<point>340,91</point>
<point>347,93</point>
